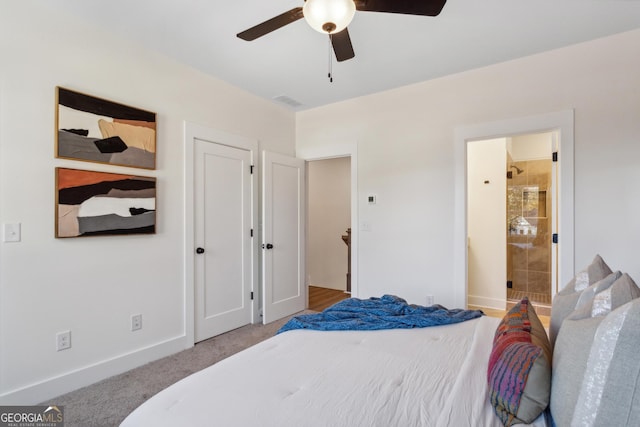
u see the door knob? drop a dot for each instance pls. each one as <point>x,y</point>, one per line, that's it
<point>200,250</point>
<point>268,246</point>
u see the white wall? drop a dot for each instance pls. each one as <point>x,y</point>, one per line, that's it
<point>535,146</point>
<point>92,286</point>
<point>329,216</point>
<point>487,238</point>
<point>406,156</point>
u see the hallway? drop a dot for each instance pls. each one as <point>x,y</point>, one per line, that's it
<point>321,298</point>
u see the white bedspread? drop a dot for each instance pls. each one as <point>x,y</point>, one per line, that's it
<point>418,377</point>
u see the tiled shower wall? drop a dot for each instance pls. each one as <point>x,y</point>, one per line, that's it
<point>529,231</point>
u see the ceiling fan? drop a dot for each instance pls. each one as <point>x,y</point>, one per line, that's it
<point>332,17</point>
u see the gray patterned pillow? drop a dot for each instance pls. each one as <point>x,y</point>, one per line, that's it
<point>606,299</point>
<point>596,345</point>
<point>566,300</point>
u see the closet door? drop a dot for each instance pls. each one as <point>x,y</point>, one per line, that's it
<point>223,260</point>
<point>283,216</point>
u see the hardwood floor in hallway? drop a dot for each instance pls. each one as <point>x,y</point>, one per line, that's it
<point>321,298</point>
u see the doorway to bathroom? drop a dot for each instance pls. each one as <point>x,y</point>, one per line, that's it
<point>512,199</point>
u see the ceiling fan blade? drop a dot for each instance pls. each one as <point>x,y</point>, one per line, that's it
<point>272,24</point>
<point>407,7</point>
<point>342,46</point>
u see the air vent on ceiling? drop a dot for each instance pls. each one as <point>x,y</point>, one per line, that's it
<point>288,101</point>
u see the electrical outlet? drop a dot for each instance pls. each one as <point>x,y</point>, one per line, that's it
<point>63,340</point>
<point>11,233</point>
<point>136,322</point>
<point>429,300</point>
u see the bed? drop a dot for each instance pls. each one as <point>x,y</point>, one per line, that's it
<point>432,376</point>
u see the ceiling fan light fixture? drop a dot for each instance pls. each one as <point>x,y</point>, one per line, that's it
<point>329,16</point>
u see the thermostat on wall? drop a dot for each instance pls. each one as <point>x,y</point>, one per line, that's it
<point>371,199</point>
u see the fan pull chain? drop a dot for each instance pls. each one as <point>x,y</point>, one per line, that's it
<point>330,75</point>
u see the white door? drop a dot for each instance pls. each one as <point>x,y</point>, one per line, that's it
<point>283,201</point>
<point>223,212</point>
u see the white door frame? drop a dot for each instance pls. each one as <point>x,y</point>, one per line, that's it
<point>332,151</point>
<point>563,122</point>
<point>194,131</point>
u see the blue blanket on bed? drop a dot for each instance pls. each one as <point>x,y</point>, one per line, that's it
<point>388,312</point>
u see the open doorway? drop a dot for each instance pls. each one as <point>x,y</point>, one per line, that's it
<point>329,231</point>
<point>511,217</point>
<point>562,122</point>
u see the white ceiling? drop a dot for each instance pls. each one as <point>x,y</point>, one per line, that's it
<point>391,50</point>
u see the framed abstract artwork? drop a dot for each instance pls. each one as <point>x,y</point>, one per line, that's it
<point>92,203</point>
<point>96,130</point>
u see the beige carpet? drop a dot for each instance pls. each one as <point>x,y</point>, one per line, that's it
<point>108,402</point>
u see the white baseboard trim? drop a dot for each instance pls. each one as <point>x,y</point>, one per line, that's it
<point>495,303</point>
<point>65,383</point>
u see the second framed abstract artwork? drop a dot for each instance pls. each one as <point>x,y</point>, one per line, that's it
<point>100,203</point>
<point>96,130</point>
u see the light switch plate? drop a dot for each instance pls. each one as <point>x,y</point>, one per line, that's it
<point>11,233</point>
